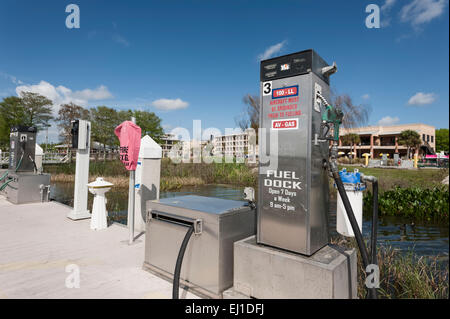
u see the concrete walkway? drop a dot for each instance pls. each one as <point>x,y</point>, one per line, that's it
<point>38,242</point>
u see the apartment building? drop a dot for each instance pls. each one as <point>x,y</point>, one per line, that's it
<point>167,143</point>
<point>236,144</point>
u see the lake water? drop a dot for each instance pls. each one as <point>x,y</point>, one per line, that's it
<point>425,239</point>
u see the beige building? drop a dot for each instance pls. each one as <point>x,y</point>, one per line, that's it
<point>184,149</point>
<point>236,144</point>
<point>377,140</point>
<point>167,143</point>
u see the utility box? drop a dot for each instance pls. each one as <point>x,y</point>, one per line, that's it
<point>27,187</point>
<point>81,134</point>
<point>22,148</point>
<point>293,198</point>
<point>207,267</point>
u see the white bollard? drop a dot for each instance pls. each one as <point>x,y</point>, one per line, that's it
<point>148,174</point>
<point>99,212</point>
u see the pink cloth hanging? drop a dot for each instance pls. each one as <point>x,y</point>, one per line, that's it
<point>129,135</point>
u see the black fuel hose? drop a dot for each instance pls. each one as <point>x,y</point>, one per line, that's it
<point>373,244</point>
<point>34,163</point>
<point>374,222</point>
<point>176,273</point>
<point>20,162</point>
<point>353,223</point>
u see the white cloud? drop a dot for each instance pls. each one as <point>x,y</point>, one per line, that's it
<point>421,98</point>
<point>272,50</point>
<point>100,93</point>
<point>120,39</point>
<point>385,9</point>
<point>421,11</point>
<point>366,96</point>
<point>62,95</point>
<point>387,5</point>
<point>387,120</point>
<point>11,78</point>
<point>168,104</point>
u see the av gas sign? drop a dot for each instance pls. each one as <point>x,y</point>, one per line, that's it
<point>290,124</point>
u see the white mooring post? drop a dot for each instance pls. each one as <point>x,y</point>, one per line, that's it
<point>148,174</point>
<point>80,200</point>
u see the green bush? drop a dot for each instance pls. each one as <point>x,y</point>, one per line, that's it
<point>422,203</point>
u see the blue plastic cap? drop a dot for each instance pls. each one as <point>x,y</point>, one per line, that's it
<point>350,177</point>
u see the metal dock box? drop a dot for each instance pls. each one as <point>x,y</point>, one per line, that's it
<point>207,266</point>
<point>27,187</point>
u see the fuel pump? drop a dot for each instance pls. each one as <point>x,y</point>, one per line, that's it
<point>293,201</point>
<point>22,182</point>
<point>293,194</point>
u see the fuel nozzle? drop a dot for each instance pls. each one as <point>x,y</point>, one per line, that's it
<point>331,116</point>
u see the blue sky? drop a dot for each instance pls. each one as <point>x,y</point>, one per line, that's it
<point>187,60</point>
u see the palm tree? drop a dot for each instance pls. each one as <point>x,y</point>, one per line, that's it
<point>409,138</point>
<point>351,139</point>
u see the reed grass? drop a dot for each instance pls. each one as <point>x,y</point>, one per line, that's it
<point>167,183</point>
<point>404,275</point>
<point>173,176</point>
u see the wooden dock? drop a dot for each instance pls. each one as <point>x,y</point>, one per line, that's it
<point>38,243</point>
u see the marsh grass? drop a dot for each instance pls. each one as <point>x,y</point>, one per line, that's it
<point>404,275</point>
<point>166,183</point>
<point>173,176</point>
<point>214,173</point>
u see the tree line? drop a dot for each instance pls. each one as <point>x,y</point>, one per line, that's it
<point>32,109</point>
